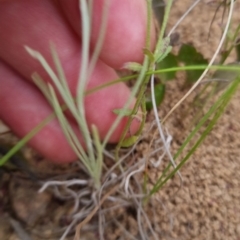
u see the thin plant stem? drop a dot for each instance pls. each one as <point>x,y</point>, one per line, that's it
<point>49,118</point>
<point>83,76</point>
<point>140,83</point>
<point>164,24</point>
<point>101,36</point>
<point>183,16</point>
<point>210,63</point>
<point>218,109</point>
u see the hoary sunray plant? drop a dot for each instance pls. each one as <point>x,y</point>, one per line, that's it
<point>119,183</point>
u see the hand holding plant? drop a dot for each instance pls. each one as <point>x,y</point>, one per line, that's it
<point>37,23</point>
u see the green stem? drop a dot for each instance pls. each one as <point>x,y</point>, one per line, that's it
<point>217,109</point>
<point>164,24</point>
<point>24,140</point>
<point>227,53</point>
<point>142,81</point>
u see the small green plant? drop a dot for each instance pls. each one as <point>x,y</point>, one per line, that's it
<point>118,183</point>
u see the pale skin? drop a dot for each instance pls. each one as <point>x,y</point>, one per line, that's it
<point>35,23</point>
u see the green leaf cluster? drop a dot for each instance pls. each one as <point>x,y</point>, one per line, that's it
<point>189,56</point>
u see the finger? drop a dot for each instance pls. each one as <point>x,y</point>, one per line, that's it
<point>35,24</point>
<point>23,107</point>
<point>125,35</point>
<point>17,30</point>
<point>100,105</point>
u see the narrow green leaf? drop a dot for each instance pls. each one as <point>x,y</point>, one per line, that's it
<point>223,77</point>
<point>238,50</point>
<point>216,110</point>
<point>170,61</point>
<point>128,142</point>
<point>168,50</point>
<point>159,10</point>
<point>163,48</point>
<point>189,56</point>
<point>159,92</point>
<point>149,54</point>
<point>124,112</point>
<point>133,66</point>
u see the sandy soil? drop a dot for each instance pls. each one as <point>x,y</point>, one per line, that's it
<point>208,205</point>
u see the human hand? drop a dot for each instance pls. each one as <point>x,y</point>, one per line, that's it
<point>35,23</point>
